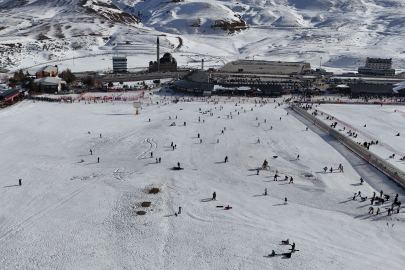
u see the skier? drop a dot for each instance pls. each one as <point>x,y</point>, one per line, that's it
<point>381,193</point>
<point>280,118</point>
<point>354,196</point>
<point>389,211</point>
<point>285,200</point>
<point>151,154</point>
<point>258,140</point>
<point>149,119</point>
<point>214,196</point>
<point>325,168</point>
<point>160,159</point>
<point>273,253</point>
<point>179,210</point>
<point>156,160</point>
<point>275,177</point>
<point>184,123</point>
<point>291,180</point>
<point>198,135</point>
<point>98,160</point>
<point>100,135</point>
<point>19,182</point>
<point>222,132</point>
<point>371,210</point>
<point>293,247</point>
<point>271,127</point>
<point>307,128</point>
<point>361,181</point>
<point>331,170</point>
<point>265,192</point>
<point>173,147</point>
<point>91,152</point>
<point>171,144</point>
<point>372,200</point>
<point>298,157</point>
<point>226,159</point>
<point>378,211</point>
<point>257,171</point>
<point>227,208</point>
<point>200,141</point>
<point>178,165</point>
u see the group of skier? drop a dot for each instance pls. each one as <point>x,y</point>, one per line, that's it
<point>390,210</point>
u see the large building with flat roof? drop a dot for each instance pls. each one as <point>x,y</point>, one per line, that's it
<point>265,67</point>
<point>377,67</point>
<point>120,64</point>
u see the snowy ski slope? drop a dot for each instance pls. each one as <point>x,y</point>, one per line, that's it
<point>82,215</point>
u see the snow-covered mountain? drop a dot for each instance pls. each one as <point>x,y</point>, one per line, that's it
<point>342,32</point>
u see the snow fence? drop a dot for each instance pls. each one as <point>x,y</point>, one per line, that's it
<point>385,167</point>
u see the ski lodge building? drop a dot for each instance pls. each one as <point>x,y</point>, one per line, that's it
<point>48,71</point>
<point>51,84</point>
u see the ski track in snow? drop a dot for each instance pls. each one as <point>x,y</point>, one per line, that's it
<point>35,217</point>
<point>152,147</point>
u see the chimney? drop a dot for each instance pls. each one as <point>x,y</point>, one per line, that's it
<point>157,55</point>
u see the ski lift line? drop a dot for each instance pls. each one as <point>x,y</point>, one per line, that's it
<point>364,134</point>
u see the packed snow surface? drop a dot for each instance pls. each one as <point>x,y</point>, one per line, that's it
<point>372,123</point>
<point>70,214</point>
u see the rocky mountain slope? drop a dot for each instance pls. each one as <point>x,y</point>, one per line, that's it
<point>342,32</point>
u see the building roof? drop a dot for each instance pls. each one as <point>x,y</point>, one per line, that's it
<point>194,85</point>
<point>379,60</point>
<point>263,67</point>
<point>3,70</point>
<point>371,88</point>
<point>49,80</point>
<point>48,69</point>
<point>8,94</point>
<point>198,76</point>
<point>167,58</point>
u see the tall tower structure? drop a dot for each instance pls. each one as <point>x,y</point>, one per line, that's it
<point>157,53</point>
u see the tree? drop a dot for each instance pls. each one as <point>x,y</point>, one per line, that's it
<point>31,85</point>
<point>12,83</point>
<point>121,82</point>
<point>110,84</point>
<point>67,76</point>
<point>89,82</point>
<point>19,76</point>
